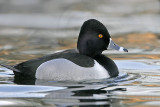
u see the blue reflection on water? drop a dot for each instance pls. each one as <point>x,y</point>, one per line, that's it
<point>25,91</point>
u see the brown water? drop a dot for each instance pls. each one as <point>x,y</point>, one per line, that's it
<point>30,29</point>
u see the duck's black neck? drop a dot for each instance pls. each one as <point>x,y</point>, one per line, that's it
<point>108,64</point>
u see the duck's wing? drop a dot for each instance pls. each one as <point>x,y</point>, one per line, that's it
<point>29,68</point>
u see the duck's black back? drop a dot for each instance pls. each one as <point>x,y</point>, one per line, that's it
<point>28,69</point>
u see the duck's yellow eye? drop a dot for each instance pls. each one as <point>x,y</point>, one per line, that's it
<point>100,36</point>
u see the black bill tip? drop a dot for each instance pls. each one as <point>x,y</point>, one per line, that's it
<point>125,50</point>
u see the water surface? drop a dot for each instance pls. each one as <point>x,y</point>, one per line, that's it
<point>31,29</point>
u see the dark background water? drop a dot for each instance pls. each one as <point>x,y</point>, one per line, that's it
<point>33,28</point>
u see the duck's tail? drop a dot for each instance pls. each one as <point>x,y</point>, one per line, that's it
<point>10,67</point>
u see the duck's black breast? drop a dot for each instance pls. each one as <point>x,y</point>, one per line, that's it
<point>108,64</point>
<point>29,68</point>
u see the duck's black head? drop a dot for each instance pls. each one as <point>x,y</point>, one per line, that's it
<point>93,38</point>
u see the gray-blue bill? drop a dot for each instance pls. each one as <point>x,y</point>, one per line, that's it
<point>114,46</point>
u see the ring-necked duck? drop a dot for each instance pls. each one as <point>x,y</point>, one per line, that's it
<point>84,63</point>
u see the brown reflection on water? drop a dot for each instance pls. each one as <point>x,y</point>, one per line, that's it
<point>133,83</point>
<point>134,56</point>
<point>152,85</point>
<point>67,44</point>
<point>15,59</point>
<point>140,100</point>
<point>133,99</point>
<point>5,52</point>
<point>16,49</point>
<point>147,41</point>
